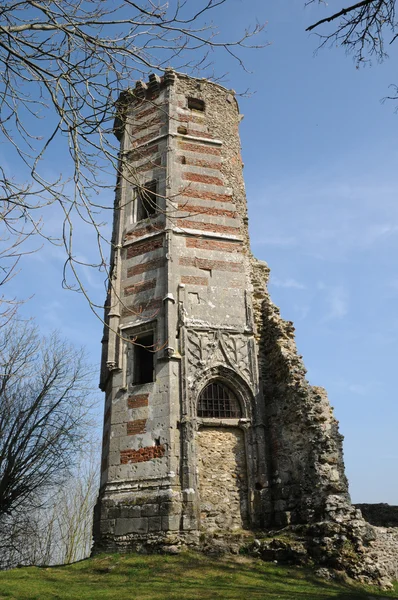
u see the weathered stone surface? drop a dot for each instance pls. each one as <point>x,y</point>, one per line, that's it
<point>222,479</point>
<point>183,276</point>
<point>131,525</point>
<point>381,514</point>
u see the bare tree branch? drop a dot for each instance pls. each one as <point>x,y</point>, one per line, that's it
<point>362,28</point>
<point>45,402</point>
<point>63,64</point>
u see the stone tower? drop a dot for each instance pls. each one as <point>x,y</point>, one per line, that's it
<point>210,424</point>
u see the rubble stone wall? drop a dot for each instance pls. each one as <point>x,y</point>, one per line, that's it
<point>222,478</point>
<point>382,515</point>
<point>384,550</point>
<point>307,480</point>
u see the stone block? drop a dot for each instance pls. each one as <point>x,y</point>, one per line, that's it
<point>189,523</point>
<point>150,510</point>
<point>125,526</point>
<point>130,512</point>
<point>113,512</point>
<point>171,523</point>
<point>169,508</point>
<point>107,526</point>
<point>154,523</point>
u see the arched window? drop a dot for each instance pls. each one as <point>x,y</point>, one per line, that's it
<point>218,402</point>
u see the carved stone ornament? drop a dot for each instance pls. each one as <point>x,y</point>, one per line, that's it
<point>208,348</point>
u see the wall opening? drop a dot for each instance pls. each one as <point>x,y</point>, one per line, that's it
<point>143,370</point>
<point>216,401</point>
<point>147,204</point>
<point>196,104</point>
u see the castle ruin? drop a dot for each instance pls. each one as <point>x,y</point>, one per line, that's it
<point>210,425</point>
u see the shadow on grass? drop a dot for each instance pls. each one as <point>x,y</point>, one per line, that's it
<point>186,576</point>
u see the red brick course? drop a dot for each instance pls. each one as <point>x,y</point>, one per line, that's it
<point>150,265</point>
<point>152,164</point>
<point>199,162</point>
<point>138,154</point>
<point>144,247</point>
<point>139,232</point>
<point>149,111</point>
<point>202,149</point>
<point>213,245</point>
<point>207,210</point>
<point>194,280</point>
<point>138,309</point>
<point>213,227</point>
<point>145,138</point>
<point>138,426</point>
<point>138,401</point>
<point>137,128</point>
<point>192,193</point>
<point>200,134</point>
<point>217,265</point>
<point>141,455</point>
<point>199,178</point>
<point>189,118</point>
<point>141,286</point>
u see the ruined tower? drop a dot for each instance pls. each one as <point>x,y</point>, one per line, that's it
<point>210,424</point>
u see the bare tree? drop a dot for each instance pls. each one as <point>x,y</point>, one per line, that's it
<point>363,28</point>
<point>45,401</point>
<point>73,509</point>
<point>59,530</point>
<point>63,64</point>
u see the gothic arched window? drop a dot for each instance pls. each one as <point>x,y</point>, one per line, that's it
<point>218,402</point>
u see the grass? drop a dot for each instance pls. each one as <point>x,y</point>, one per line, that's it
<point>187,576</point>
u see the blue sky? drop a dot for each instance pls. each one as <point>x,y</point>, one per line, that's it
<point>321,175</point>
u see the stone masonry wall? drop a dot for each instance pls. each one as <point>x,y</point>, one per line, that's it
<point>382,515</point>
<point>304,446</point>
<point>222,479</point>
<point>186,273</point>
<point>384,550</point>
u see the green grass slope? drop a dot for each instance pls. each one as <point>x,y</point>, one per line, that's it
<point>187,576</point>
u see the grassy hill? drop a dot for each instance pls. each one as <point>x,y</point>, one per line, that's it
<point>187,576</point>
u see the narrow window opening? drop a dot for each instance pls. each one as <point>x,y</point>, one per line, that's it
<point>157,442</point>
<point>218,402</point>
<point>147,200</point>
<point>196,104</point>
<point>143,358</point>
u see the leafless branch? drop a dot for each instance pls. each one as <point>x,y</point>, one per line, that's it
<point>63,64</point>
<point>362,28</point>
<point>45,402</point>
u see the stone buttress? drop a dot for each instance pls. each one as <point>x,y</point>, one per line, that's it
<point>210,424</point>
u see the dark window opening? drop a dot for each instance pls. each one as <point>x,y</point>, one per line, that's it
<point>143,358</point>
<point>196,104</point>
<point>218,402</point>
<point>147,200</point>
<point>157,442</point>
